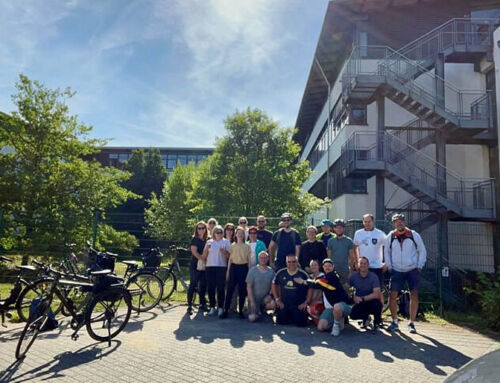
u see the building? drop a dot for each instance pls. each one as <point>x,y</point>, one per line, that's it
<point>399,114</point>
<point>117,156</point>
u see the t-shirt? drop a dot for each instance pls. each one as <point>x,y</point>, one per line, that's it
<point>215,257</point>
<point>256,248</point>
<point>292,294</point>
<point>200,245</point>
<point>265,236</point>
<point>371,245</point>
<point>240,253</point>
<point>364,286</point>
<point>260,282</point>
<point>286,245</point>
<point>311,250</point>
<point>324,238</point>
<point>339,247</point>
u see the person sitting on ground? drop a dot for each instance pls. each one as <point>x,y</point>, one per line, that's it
<point>312,249</point>
<point>259,280</point>
<point>335,299</point>
<point>315,296</point>
<point>237,270</point>
<point>290,296</point>
<point>256,246</point>
<point>367,298</point>
<point>326,232</point>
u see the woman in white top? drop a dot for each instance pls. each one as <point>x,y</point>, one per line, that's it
<point>216,254</point>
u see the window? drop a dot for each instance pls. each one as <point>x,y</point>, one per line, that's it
<point>182,159</point>
<point>357,115</point>
<point>171,163</point>
<point>191,158</point>
<point>113,155</point>
<point>123,157</point>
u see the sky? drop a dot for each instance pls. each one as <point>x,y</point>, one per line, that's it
<point>164,72</point>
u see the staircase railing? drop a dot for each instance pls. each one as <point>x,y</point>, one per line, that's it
<point>415,80</point>
<point>463,32</point>
<point>419,169</point>
<point>414,131</point>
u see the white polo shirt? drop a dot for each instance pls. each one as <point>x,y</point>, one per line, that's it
<point>371,246</point>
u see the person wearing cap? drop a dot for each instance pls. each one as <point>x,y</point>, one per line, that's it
<point>335,298</point>
<point>312,249</point>
<point>256,245</point>
<point>341,251</point>
<point>262,233</point>
<point>286,240</point>
<point>405,256</point>
<point>326,232</point>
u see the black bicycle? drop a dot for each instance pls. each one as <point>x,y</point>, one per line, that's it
<point>172,273</point>
<point>105,314</point>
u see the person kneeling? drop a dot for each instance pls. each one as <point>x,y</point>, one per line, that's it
<point>259,280</point>
<point>335,299</point>
<point>367,298</point>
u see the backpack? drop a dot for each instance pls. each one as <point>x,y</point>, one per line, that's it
<point>404,303</point>
<point>152,259</point>
<point>37,309</point>
<point>393,237</point>
<point>105,261</point>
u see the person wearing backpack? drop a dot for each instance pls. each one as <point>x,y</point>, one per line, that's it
<point>405,256</point>
<point>286,240</point>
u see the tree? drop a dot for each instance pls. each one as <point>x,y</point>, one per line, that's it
<point>170,217</point>
<point>254,170</point>
<point>48,192</point>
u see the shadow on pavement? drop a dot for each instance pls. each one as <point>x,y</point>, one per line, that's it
<point>61,362</point>
<point>386,347</point>
<point>136,322</point>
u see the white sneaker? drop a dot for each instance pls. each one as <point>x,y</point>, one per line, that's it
<point>220,312</point>
<point>367,323</point>
<point>336,329</point>
<point>341,325</point>
<point>212,311</point>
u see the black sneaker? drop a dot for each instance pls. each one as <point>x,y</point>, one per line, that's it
<point>411,328</point>
<point>189,310</point>
<point>241,315</point>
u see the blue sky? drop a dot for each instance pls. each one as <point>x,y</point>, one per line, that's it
<point>163,73</point>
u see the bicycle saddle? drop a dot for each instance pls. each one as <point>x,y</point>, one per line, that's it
<point>26,268</point>
<point>100,272</point>
<point>129,263</point>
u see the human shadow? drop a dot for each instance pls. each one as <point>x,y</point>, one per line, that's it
<point>386,347</point>
<point>66,360</point>
<point>136,322</point>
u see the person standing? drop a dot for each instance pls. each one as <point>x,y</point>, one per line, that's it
<point>326,234</point>
<point>369,243</point>
<point>259,280</point>
<point>341,251</point>
<point>243,222</point>
<point>405,256</point>
<point>238,265</point>
<point>286,240</point>
<point>262,233</point>
<point>216,254</point>
<point>197,279</point>
<point>212,222</point>
<point>290,296</point>
<point>256,245</point>
<point>229,232</point>
<point>312,249</point>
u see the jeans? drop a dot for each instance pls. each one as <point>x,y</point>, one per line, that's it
<point>216,280</point>
<point>198,282</point>
<point>237,276</point>
<point>363,309</point>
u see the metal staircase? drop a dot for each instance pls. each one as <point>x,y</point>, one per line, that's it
<point>366,153</point>
<point>418,215</point>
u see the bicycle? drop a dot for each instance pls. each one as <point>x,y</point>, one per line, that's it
<point>98,315</point>
<point>172,273</point>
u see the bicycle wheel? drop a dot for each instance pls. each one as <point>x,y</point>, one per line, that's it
<point>385,293</point>
<point>75,295</point>
<point>35,290</point>
<point>32,329</point>
<point>146,290</point>
<point>108,314</point>
<point>169,283</point>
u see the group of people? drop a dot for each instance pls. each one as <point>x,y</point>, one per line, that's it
<point>327,278</point>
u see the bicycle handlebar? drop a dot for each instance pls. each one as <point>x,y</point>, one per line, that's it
<point>5,259</point>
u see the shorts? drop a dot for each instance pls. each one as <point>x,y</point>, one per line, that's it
<point>380,274</point>
<point>315,309</point>
<point>327,314</point>
<point>398,280</point>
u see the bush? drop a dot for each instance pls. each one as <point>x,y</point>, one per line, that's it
<point>487,290</point>
<point>120,242</point>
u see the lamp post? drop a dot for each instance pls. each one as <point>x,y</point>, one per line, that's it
<point>328,128</point>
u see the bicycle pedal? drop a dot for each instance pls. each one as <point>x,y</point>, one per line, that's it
<point>75,337</point>
<point>8,315</point>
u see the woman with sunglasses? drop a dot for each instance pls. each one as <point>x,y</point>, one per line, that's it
<point>216,254</point>
<point>229,231</point>
<point>197,267</point>
<point>211,224</point>
<point>239,261</point>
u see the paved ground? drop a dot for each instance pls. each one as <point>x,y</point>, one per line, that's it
<point>167,346</point>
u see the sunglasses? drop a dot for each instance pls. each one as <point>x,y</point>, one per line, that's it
<point>243,222</point>
<point>291,261</point>
<point>217,232</point>
<point>286,220</point>
<point>229,229</point>
<point>201,228</point>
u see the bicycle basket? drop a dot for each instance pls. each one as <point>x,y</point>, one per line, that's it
<point>105,261</point>
<point>104,283</point>
<point>152,259</point>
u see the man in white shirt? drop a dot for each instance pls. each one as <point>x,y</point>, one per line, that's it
<point>369,242</point>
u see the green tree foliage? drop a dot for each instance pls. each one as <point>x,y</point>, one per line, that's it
<point>48,192</point>
<point>254,170</point>
<point>487,292</point>
<point>170,216</point>
<point>120,242</point>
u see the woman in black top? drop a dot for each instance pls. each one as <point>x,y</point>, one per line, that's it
<point>197,269</point>
<point>311,249</point>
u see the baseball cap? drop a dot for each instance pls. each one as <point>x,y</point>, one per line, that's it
<point>286,215</point>
<point>327,260</point>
